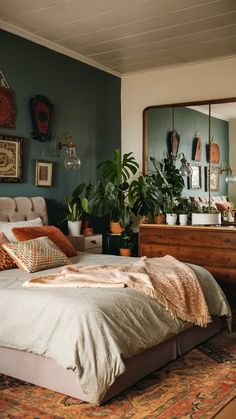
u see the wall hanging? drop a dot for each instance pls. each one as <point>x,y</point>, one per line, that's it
<point>197,147</point>
<point>10,159</point>
<point>43,174</point>
<point>7,108</point>
<point>41,110</point>
<point>195,179</point>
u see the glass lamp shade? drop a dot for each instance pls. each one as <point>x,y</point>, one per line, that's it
<point>185,169</point>
<point>230,178</point>
<point>72,161</point>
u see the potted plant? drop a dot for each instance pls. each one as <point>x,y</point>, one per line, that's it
<point>144,196</point>
<point>75,210</point>
<point>207,215</point>
<point>126,242</point>
<point>184,210</point>
<point>170,183</point>
<point>110,195</point>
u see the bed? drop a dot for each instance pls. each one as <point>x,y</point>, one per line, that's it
<point>109,338</point>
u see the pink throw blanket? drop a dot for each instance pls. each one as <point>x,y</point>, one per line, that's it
<point>166,279</point>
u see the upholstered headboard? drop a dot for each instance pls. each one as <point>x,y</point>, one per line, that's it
<point>22,208</point>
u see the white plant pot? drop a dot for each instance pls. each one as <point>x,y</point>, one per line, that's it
<point>171,219</point>
<point>74,227</point>
<point>183,219</point>
<point>206,219</point>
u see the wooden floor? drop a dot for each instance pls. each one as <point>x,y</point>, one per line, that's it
<point>229,412</point>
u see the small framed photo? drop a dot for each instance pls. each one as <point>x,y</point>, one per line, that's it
<point>10,159</point>
<point>212,177</point>
<point>43,174</point>
<point>195,180</point>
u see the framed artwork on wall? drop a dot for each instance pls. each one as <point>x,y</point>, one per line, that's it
<point>7,108</point>
<point>43,173</point>
<point>41,110</point>
<point>212,174</point>
<point>10,159</point>
<point>195,180</point>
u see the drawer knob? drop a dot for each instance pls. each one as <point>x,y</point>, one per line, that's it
<point>93,241</point>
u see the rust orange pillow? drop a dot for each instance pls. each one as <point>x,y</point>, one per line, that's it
<point>52,232</point>
<point>223,206</point>
<point>6,262</point>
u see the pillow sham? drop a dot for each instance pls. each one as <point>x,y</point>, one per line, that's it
<point>223,206</point>
<point>6,227</point>
<point>6,262</point>
<point>36,255</point>
<point>52,232</point>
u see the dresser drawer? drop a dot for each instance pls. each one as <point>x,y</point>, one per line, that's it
<point>93,244</point>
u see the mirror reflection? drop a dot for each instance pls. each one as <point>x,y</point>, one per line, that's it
<point>205,134</point>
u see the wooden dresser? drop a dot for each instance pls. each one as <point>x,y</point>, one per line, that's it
<point>211,247</point>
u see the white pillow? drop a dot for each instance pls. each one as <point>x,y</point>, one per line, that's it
<point>6,228</point>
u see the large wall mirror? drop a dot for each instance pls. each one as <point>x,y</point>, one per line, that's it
<point>205,134</point>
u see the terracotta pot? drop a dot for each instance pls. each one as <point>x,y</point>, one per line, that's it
<point>125,252</point>
<point>115,227</point>
<point>159,219</point>
<point>144,219</point>
<point>88,231</point>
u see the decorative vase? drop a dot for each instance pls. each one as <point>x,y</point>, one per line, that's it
<point>159,219</point>
<point>183,219</point>
<point>115,227</point>
<point>74,227</point>
<point>171,219</point>
<point>125,252</point>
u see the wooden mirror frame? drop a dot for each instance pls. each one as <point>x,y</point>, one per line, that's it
<point>175,105</point>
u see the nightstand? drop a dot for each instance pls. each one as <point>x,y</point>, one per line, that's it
<point>91,244</point>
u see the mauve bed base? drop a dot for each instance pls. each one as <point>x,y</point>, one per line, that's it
<point>47,373</point>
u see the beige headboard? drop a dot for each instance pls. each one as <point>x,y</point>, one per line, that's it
<point>22,208</point>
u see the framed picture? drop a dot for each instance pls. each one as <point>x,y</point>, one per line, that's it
<point>10,159</point>
<point>195,180</point>
<point>212,174</point>
<point>7,108</point>
<point>43,175</point>
<point>41,110</point>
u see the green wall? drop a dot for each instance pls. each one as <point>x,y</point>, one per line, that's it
<point>187,122</point>
<point>86,103</point>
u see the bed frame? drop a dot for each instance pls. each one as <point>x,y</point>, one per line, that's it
<point>45,372</point>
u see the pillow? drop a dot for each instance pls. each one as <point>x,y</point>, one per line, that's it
<point>52,232</point>
<point>223,206</point>
<point>6,227</point>
<point>36,255</point>
<point>6,261</point>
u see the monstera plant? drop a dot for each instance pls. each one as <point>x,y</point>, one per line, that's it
<point>110,195</point>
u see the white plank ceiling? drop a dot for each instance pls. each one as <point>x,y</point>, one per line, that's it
<point>127,36</point>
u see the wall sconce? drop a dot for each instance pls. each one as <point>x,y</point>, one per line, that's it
<point>71,160</point>
<point>230,177</point>
<point>185,169</point>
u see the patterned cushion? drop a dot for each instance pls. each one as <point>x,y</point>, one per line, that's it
<point>52,232</point>
<point>36,255</point>
<point>6,227</point>
<point>6,261</point>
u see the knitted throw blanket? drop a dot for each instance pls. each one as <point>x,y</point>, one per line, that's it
<point>166,279</point>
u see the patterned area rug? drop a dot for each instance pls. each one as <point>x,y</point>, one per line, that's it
<point>198,385</point>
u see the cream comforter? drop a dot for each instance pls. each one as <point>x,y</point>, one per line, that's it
<point>90,330</point>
